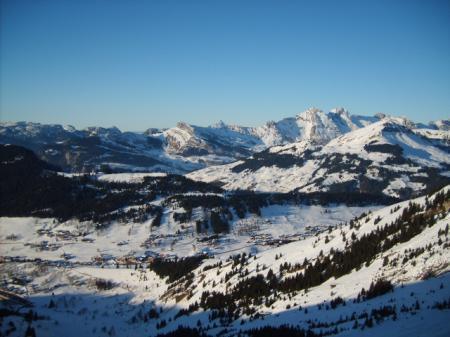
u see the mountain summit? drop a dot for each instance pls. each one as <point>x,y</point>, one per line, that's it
<point>187,147</point>
<point>386,157</point>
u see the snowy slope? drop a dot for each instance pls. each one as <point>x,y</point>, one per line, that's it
<point>384,157</point>
<point>411,274</point>
<point>128,177</point>
<point>91,300</point>
<point>275,223</point>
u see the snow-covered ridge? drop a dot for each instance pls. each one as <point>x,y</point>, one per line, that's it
<point>387,154</point>
<point>185,147</point>
<point>392,131</point>
<point>311,125</point>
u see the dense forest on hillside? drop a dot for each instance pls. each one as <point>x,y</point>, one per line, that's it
<point>31,187</point>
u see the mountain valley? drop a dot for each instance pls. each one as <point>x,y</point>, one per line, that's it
<point>325,224</point>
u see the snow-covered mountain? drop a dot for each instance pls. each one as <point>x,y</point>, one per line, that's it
<point>311,125</point>
<point>95,148</point>
<point>386,157</point>
<point>185,147</point>
<point>220,140</point>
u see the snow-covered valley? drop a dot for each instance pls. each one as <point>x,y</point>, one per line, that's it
<point>76,295</point>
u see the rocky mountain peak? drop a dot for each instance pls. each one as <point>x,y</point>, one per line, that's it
<point>340,111</point>
<point>310,115</point>
<point>185,127</point>
<point>220,125</point>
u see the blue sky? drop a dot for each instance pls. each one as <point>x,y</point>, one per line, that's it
<point>139,64</point>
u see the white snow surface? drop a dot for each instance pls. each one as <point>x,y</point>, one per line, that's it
<point>392,131</point>
<point>81,309</point>
<point>129,177</point>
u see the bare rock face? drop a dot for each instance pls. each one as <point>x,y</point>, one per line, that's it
<point>183,140</point>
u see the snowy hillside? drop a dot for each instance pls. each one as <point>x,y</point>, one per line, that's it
<point>328,283</point>
<point>320,279</point>
<point>385,157</point>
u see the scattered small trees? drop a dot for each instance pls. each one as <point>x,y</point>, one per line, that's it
<point>377,288</point>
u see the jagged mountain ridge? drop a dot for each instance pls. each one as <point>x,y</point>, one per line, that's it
<point>183,148</point>
<point>87,149</point>
<point>313,125</point>
<point>385,157</point>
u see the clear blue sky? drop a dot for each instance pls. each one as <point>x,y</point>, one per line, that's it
<point>139,64</point>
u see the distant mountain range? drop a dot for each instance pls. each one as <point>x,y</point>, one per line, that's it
<point>185,148</point>
<point>385,157</point>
